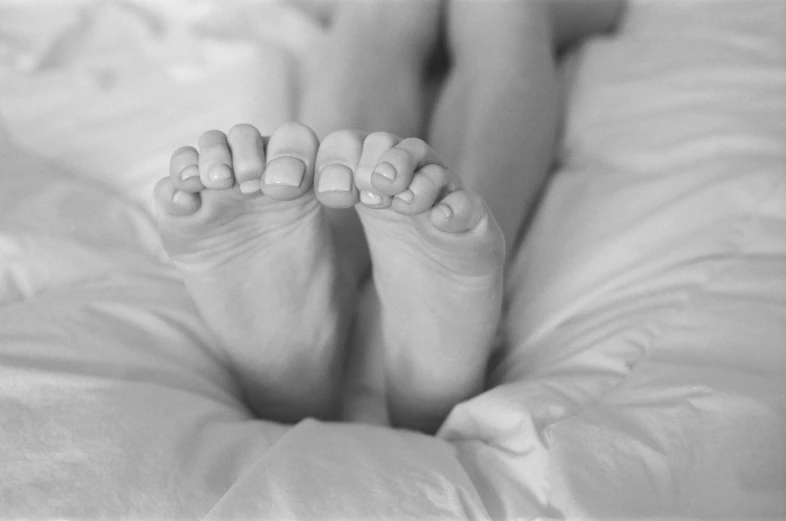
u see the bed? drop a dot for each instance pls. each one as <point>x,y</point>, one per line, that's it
<point>643,374</point>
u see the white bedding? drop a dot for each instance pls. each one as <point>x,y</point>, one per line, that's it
<point>647,310</point>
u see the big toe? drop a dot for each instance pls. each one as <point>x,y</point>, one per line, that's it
<point>337,161</point>
<point>291,157</point>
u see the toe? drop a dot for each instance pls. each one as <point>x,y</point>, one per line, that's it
<point>459,212</point>
<point>337,161</point>
<point>184,170</point>
<point>374,147</point>
<point>291,155</point>
<point>215,161</point>
<point>248,156</point>
<point>428,185</point>
<point>173,202</point>
<point>393,174</point>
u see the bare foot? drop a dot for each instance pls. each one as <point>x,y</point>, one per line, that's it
<point>260,265</point>
<point>437,256</point>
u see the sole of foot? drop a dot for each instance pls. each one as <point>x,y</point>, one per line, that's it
<point>239,218</point>
<point>437,256</point>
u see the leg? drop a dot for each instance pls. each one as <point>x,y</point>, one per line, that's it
<point>574,20</point>
<point>367,74</point>
<point>260,266</point>
<point>5,140</point>
<point>503,84</point>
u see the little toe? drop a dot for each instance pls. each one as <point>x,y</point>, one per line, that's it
<point>173,202</point>
<point>427,185</point>
<point>248,156</point>
<point>184,170</point>
<point>215,161</point>
<point>291,156</point>
<point>459,212</point>
<point>337,160</point>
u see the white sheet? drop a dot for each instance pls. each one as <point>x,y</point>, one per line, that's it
<point>647,312</point>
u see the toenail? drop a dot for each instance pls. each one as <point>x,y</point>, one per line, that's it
<point>286,171</point>
<point>335,178</point>
<point>189,171</point>
<point>180,198</point>
<point>219,173</point>
<point>446,210</point>
<point>386,170</point>
<point>370,198</point>
<point>249,187</point>
<point>407,196</point>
